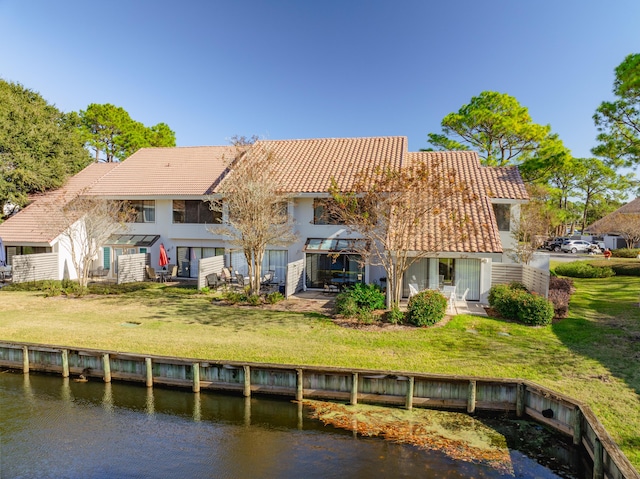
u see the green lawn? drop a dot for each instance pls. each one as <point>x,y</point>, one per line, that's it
<point>594,355</point>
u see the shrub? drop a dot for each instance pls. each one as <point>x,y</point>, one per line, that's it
<point>512,302</point>
<point>234,297</point>
<point>581,269</point>
<point>562,284</point>
<point>367,296</point>
<point>517,286</point>
<point>625,253</point>
<point>346,305</point>
<point>205,289</point>
<point>395,315</point>
<point>426,308</point>
<point>626,269</point>
<point>560,300</point>
<point>254,300</point>
<point>534,310</point>
<point>365,316</point>
<point>503,299</point>
<point>275,297</point>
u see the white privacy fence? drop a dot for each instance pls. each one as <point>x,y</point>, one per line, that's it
<point>536,280</point>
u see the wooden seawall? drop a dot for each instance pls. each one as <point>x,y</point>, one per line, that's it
<point>471,394</point>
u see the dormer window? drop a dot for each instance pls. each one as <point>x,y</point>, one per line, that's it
<point>502,212</point>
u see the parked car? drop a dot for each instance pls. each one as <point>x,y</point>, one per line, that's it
<point>554,244</point>
<point>575,246</point>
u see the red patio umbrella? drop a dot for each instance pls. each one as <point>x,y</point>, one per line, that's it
<point>164,260</point>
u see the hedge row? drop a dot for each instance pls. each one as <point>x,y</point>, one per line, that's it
<point>514,302</point>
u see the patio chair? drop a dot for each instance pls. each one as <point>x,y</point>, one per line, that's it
<point>240,280</point>
<point>172,271</point>
<point>226,276</point>
<point>330,289</point>
<point>213,280</point>
<point>413,289</point>
<point>463,296</point>
<point>152,275</point>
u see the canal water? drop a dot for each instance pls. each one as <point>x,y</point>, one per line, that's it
<point>57,428</point>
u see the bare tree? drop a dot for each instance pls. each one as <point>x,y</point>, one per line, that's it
<point>533,225</point>
<point>88,224</point>
<point>403,214</point>
<point>254,206</point>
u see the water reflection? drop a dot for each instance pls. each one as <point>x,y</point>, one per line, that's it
<point>59,428</point>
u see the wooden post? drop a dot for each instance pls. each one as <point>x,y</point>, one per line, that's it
<point>195,368</point>
<point>471,397</point>
<point>106,366</point>
<point>598,459</point>
<point>25,360</point>
<point>246,392</point>
<point>598,463</point>
<point>299,385</point>
<point>65,363</point>
<point>577,426</point>
<point>408,403</point>
<point>354,389</point>
<point>149,372</point>
<point>520,399</point>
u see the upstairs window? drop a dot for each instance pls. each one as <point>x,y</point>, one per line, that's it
<point>144,211</point>
<point>321,215</point>
<point>195,212</point>
<point>503,216</point>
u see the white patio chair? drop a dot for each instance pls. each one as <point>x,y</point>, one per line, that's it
<point>413,289</point>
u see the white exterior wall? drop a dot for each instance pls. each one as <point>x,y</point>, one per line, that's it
<point>174,235</point>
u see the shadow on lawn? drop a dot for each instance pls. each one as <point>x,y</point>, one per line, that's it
<point>186,305</point>
<point>604,325</point>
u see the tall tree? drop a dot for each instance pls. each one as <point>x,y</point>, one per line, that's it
<point>618,121</point>
<point>39,145</point>
<point>256,209</point>
<point>596,181</point>
<point>110,131</point>
<point>390,208</point>
<point>495,125</point>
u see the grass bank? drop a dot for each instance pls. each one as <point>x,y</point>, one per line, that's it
<point>593,355</point>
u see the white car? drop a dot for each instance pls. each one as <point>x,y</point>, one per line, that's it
<point>575,246</point>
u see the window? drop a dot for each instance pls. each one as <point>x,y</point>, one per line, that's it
<point>145,211</point>
<point>503,216</point>
<point>195,212</point>
<point>320,214</point>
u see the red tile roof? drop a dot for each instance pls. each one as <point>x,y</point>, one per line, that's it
<point>42,221</point>
<point>308,166</point>
<point>479,233</point>
<point>173,172</point>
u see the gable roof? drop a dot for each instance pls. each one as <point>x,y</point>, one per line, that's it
<point>42,221</point>
<point>479,233</point>
<point>179,171</point>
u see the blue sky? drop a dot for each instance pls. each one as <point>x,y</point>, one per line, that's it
<point>330,68</point>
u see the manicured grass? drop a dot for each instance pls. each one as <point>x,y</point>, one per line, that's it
<point>593,355</point>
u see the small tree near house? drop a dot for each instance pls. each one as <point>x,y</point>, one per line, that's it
<point>403,214</point>
<point>88,224</point>
<point>254,206</point>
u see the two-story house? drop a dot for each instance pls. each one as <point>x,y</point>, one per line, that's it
<point>167,186</point>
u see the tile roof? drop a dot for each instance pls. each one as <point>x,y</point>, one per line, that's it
<point>440,233</point>
<point>179,171</point>
<point>504,182</point>
<point>308,166</point>
<point>42,221</point>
